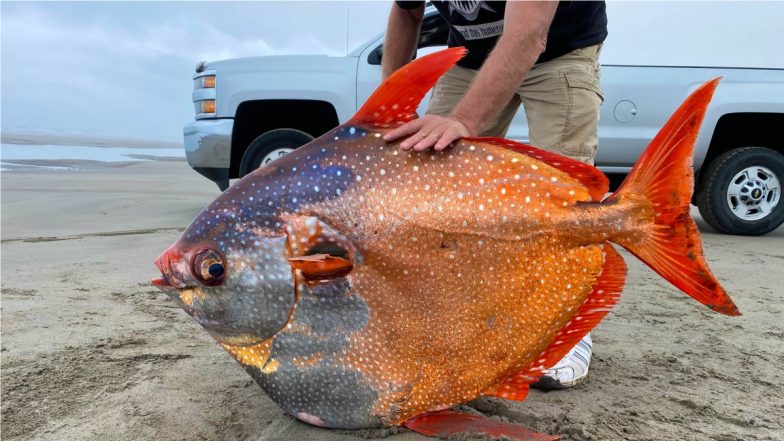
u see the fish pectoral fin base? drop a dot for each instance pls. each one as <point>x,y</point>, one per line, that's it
<point>448,422</point>
<point>605,294</point>
<point>395,101</point>
<point>591,177</point>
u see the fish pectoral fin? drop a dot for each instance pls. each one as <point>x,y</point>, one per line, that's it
<point>448,422</point>
<point>321,266</point>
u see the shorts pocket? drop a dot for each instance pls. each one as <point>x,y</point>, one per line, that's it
<point>579,138</point>
<point>581,80</point>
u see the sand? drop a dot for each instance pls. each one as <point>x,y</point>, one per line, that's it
<point>91,352</point>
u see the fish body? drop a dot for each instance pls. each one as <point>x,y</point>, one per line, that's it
<point>363,286</point>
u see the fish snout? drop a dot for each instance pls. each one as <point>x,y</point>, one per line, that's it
<point>166,263</point>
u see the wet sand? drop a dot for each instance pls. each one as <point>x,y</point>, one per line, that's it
<point>90,351</point>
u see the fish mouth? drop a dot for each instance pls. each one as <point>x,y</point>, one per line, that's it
<point>161,282</point>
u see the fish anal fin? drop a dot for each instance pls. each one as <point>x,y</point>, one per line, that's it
<point>514,388</point>
<point>395,101</point>
<point>605,294</point>
<point>448,422</point>
<point>591,177</point>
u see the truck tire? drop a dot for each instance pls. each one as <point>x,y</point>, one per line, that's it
<point>271,145</point>
<point>740,191</point>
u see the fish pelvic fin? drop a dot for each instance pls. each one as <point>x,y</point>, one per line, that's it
<point>591,177</point>
<point>605,294</point>
<point>445,423</point>
<point>664,178</point>
<point>395,101</point>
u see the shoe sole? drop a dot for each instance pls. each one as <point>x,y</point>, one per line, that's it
<point>549,383</point>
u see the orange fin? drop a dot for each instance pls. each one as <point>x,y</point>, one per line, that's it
<point>591,177</point>
<point>665,178</point>
<point>321,266</point>
<point>514,388</point>
<point>605,294</point>
<point>395,101</point>
<point>448,422</point>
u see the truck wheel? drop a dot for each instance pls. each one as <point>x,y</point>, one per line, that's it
<point>740,191</point>
<point>271,146</point>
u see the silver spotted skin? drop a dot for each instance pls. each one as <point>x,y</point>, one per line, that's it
<point>247,224</point>
<point>310,382</point>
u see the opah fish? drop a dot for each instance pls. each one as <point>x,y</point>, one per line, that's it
<point>362,286</point>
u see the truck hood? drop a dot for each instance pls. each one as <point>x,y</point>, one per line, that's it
<point>281,62</point>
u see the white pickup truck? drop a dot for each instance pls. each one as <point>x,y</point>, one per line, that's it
<point>250,111</point>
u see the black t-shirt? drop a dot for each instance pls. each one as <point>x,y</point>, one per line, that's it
<point>476,25</point>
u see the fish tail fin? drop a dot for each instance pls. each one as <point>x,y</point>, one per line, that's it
<point>663,179</point>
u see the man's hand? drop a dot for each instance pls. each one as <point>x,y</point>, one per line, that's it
<point>429,131</point>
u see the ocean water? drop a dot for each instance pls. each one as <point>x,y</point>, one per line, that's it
<point>69,156</point>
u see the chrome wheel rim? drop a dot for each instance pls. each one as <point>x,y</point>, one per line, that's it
<point>753,193</point>
<point>275,154</point>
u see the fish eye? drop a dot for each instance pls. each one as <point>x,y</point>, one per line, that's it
<point>208,267</point>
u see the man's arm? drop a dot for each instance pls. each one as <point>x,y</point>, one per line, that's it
<point>401,38</point>
<point>524,39</point>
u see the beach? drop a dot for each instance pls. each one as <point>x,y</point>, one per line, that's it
<point>91,351</point>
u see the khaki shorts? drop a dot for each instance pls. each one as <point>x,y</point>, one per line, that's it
<point>561,98</point>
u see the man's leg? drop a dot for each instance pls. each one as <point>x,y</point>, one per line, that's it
<point>451,88</point>
<point>562,98</point>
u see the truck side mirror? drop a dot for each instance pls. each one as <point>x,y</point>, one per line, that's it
<point>375,55</point>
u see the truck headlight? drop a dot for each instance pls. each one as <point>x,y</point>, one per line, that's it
<point>204,82</point>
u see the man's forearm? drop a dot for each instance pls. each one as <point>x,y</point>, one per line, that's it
<point>504,70</point>
<point>401,38</point>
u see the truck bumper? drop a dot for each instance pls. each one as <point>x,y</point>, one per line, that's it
<point>208,148</point>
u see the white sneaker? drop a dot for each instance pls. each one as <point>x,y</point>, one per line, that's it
<point>571,370</point>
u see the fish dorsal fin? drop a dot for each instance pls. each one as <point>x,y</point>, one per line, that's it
<point>605,294</point>
<point>591,177</point>
<point>395,101</point>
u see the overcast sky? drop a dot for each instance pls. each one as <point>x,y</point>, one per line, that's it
<point>124,68</point>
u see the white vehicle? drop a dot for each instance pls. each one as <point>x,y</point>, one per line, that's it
<point>250,111</point>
